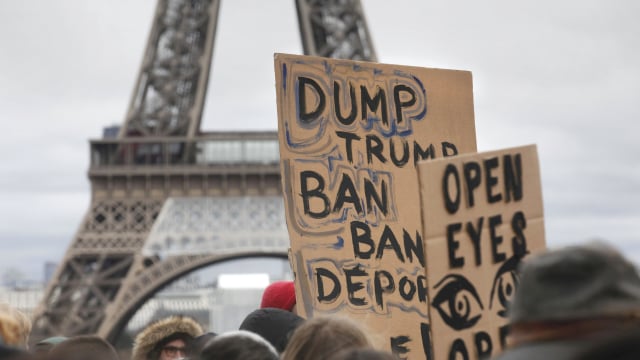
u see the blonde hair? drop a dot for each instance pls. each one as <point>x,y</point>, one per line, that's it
<point>322,337</point>
<point>20,325</point>
<point>9,329</point>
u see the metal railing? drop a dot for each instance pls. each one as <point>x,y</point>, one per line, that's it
<point>208,149</point>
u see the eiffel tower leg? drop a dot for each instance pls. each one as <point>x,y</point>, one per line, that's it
<point>170,91</point>
<point>91,274</point>
<point>335,29</point>
<point>168,100</point>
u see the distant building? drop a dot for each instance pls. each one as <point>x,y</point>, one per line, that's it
<point>49,271</point>
<point>25,300</point>
<point>110,132</point>
<point>219,310</point>
<point>219,297</point>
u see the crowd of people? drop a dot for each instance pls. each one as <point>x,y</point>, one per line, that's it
<point>576,303</point>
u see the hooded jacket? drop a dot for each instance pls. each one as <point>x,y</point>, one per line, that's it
<point>147,340</point>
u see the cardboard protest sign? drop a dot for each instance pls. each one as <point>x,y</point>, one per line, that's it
<point>351,134</point>
<point>482,213</point>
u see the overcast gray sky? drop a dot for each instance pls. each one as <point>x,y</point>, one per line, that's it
<point>562,74</point>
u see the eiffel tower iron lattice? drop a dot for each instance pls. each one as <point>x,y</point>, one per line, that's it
<point>167,199</point>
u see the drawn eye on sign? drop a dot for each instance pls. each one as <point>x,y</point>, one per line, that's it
<point>457,302</point>
<point>505,284</point>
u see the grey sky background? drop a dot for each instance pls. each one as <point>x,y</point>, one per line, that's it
<point>564,75</point>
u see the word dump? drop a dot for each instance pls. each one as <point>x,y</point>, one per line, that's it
<point>351,136</point>
<point>364,101</point>
<point>488,220</point>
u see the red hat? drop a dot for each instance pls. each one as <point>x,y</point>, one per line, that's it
<point>280,294</point>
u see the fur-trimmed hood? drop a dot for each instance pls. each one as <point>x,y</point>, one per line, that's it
<point>147,339</point>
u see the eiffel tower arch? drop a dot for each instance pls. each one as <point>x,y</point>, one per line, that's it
<point>166,198</point>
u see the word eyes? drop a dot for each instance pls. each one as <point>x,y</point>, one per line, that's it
<point>457,302</point>
<point>504,285</point>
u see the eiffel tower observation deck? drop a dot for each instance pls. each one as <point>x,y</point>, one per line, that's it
<point>166,198</point>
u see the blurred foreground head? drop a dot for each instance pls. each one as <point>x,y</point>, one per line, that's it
<point>274,325</point>
<point>11,353</point>
<point>238,345</point>
<point>569,297</point>
<point>363,354</point>
<point>322,337</point>
<point>83,348</point>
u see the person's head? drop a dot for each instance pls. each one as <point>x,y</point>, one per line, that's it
<point>573,292</point>
<point>275,325</point>
<point>570,298</point>
<point>280,295</point>
<point>174,348</point>
<point>238,345</point>
<point>166,339</point>
<point>9,330</point>
<point>23,324</point>
<point>362,354</point>
<point>199,343</point>
<point>12,353</point>
<point>83,348</point>
<point>322,337</point>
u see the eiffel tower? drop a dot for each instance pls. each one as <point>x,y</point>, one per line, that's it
<point>166,198</point>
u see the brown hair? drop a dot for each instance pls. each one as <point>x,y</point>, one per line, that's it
<point>9,329</point>
<point>362,354</point>
<point>320,338</point>
<point>86,347</point>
